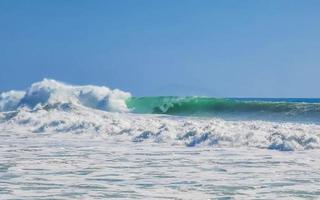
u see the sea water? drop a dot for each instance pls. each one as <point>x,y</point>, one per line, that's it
<point>59,141</point>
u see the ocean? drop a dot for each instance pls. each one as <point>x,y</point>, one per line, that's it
<point>60,141</point>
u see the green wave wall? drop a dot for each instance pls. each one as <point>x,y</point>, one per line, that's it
<point>215,106</point>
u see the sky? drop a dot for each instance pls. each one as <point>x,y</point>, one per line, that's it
<point>226,48</point>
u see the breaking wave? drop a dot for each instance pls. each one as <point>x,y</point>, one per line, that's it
<point>50,106</point>
<point>206,105</point>
<point>50,92</point>
<point>304,110</point>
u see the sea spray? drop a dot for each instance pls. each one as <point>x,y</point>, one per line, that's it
<point>52,92</point>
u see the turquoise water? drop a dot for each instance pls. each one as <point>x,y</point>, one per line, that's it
<point>252,108</point>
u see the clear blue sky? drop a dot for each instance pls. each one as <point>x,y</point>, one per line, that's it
<point>224,48</point>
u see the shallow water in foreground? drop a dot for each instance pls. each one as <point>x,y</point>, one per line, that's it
<point>87,166</point>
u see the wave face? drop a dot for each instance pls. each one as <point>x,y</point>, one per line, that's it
<point>295,109</point>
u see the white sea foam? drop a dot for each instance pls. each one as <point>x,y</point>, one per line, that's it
<point>10,100</point>
<point>84,166</point>
<point>161,128</point>
<point>53,107</point>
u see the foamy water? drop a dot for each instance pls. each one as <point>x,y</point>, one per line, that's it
<point>68,166</point>
<point>59,141</point>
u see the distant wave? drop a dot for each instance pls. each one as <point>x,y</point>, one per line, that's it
<point>194,105</point>
<point>277,109</point>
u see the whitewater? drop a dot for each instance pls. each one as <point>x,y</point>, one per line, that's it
<point>61,141</point>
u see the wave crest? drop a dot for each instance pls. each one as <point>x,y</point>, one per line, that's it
<point>51,92</point>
